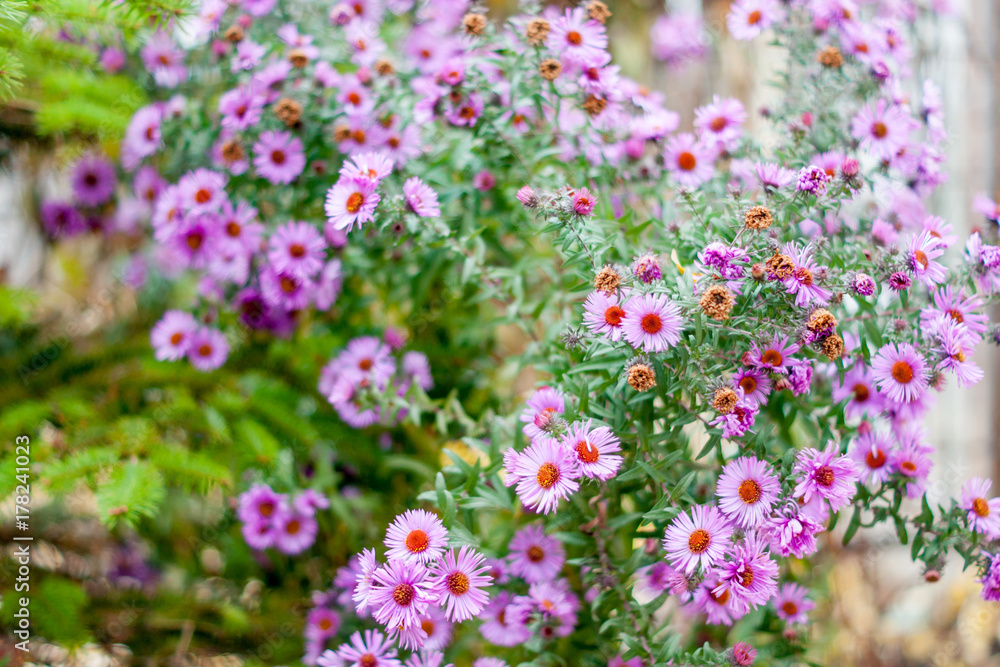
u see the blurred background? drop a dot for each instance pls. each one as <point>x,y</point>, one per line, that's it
<point>880,611</point>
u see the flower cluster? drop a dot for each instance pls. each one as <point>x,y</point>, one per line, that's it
<point>273,520</point>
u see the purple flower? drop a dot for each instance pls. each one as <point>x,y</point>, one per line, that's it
<point>883,130</point>
<point>647,268</point>
<point>899,281</point>
<point>527,197</point>
<point>416,535</point>
<point>791,603</point>
<point>459,581</point>
<point>954,349</point>
<point>698,537</point>
<point>309,501</point>
<point>678,37</point>
<point>747,489</point>
<point>743,654</point>
<point>142,136</point>
<point>294,532</point>
<point>61,219</point>
<point>321,623</point>
<point>826,474</point>
<point>982,512</point>
<point>351,202</point>
<point>755,383</point>
<point>93,180</point>
<point>278,157</point>
<point>991,578</point>
<point>774,356</point>
<point>164,59</point>
<point>534,556</point>
<point>792,531</point>
<point>578,39</point>
<point>603,315</point>
<point>596,450</point>
<point>584,202</point>
<point>721,122</point>
<point>901,372</point>
<point>812,179</point>
<point>202,190</point>
<point>208,349</point>
<point>547,472</point>
<point>689,160</point>
<point>372,650</point>
<point>870,452</point>
<point>503,622</point>
<point>241,108</point>
<point>296,247</point>
<point>749,574</point>
<point>171,336</point>
<point>923,249</point>
<point>542,405</point>
<point>652,322</point>
<point>749,18</point>
<point>401,594</point>
<point>862,284</point>
<point>773,176</point>
<point>735,424</point>
<point>803,281</point>
<point>421,198</point>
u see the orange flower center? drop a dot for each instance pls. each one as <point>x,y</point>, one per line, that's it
<point>233,229</point>
<point>368,660</point>
<point>266,509</point>
<point>195,240</point>
<point>718,124</point>
<point>878,129</point>
<point>548,475</point>
<point>749,491</point>
<point>278,157</point>
<point>754,17</point>
<point>176,338</point>
<point>297,250</point>
<point>902,372</point>
<point>861,392</point>
<point>651,323</point>
<point>790,608</point>
<point>416,541</point>
<point>205,350</point>
<point>824,476</point>
<point>746,577</point>
<point>427,625</point>
<point>458,583</point>
<point>288,285</point>
<point>354,202</point>
<point>699,540</point>
<point>875,459</point>
<point>293,527</point>
<point>202,196</point>
<point>613,315</point>
<point>956,315</point>
<point>772,357</point>
<point>748,384</point>
<point>687,161</point>
<point>587,452</point>
<point>535,554</point>
<point>574,38</point>
<point>981,507</point>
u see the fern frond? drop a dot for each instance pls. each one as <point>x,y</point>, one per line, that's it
<point>63,474</point>
<point>133,491</point>
<point>190,470</point>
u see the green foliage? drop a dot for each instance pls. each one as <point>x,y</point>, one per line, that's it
<point>57,611</point>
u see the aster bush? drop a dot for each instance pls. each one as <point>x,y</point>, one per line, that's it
<point>735,334</point>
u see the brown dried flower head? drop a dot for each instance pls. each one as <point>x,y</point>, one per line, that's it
<point>384,67</point>
<point>758,218</point>
<point>341,133</point>
<point>598,11</point>
<point>474,23</point>
<point>641,377</point>
<point>537,31</point>
<point>833,347</point>
<point>821,319</point>
<point>298,58</point>
<point>724,400</point>
<point>288,111</point>
<point>234,33</point>
<point>550,69</point>
<point>780,266</point>
<point>830,57</point>
<point>717,302</point>
<point>232,151</point>
<point>594,105</point>
<point>607,280</point>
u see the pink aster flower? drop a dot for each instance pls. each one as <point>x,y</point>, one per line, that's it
<point>351,202</point>
<point>952,304</point>
<point>241,108</point>
<point>541,407</point>
<point>646,268</point>
<point>603,315</point>
<point>535,556</point>
<point>286,290</point>
<point>923,250</point>
<point>278,156</point>
<point>911,461</point>
<point>164,59</point>
<point>584,202</point>
<point>459,581</point>
<point>421,198</point>
<point>721,122</point>
<point>171,336</point>
<point>792,605</point>
<point>678,37</point>
<point>883,130</point>
<point>689,160</point>
<point>547,473</point>
<point>259,503</point>
<point>371,650</point>
<point>774,356</point>
<point>804,280</point>
<point>364,580</point>
<point>438,628</point>
<point>240,230</point>
<point>208,349</point>
<point>827,474</point>
<point>792,531</point>
<point>93,180</point>
<point>294,532</point>
<point>700,536</point>
<point>773,176</point>
<point>749,18</point>
<point>749,574</point>
<point>755,383</point>
<point>747,489</point>
<point>578,39</point>
<point>202,190</point>
<point>900,371</point>
<point>717,607</point>
<point>982,512</point>
<point>596,450</point>
<point>652,322</point>
<point>502,624</point>
<point>954,345</point>
<point>321,623</point>
<point>296,247</point>
<point>416,535</point>
<point>372,166</point>
<point>743,654</point>
<point>858,386</point>
<point>401,593</point>
<point>871,453</point>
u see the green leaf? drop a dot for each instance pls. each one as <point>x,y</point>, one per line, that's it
<point>852,527</point>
